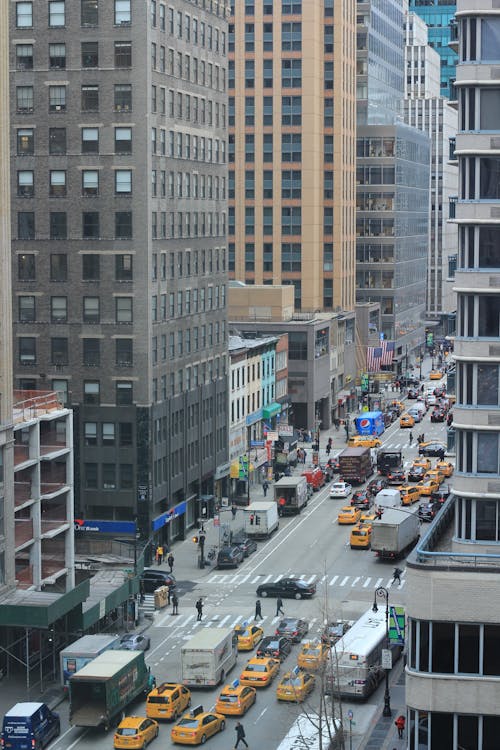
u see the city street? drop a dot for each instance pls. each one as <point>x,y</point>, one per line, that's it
<point>311,546</point>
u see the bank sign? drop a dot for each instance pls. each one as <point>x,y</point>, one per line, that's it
<point>105,527</point>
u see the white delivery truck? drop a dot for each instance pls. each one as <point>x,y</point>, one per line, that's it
<point>208,656</point>
<point>261,519</point>
<point>394,534</point>
<point>84,650</point>
<point>388,498</point>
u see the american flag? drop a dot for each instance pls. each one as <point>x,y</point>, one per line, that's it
<point>373,358</point>
<point>388,348</point>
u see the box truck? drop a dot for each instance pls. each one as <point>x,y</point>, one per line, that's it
<point>355,465</point>
<point>261,519</point>
<point>291,495</point>
<point>395,533</point>
<point>100,691</point>
<point>82,651</point>
<point>370,423</point>
<point>208,656</point>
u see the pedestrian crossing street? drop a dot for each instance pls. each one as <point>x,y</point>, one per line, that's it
<point>189,622</point>
<point>338,581</point>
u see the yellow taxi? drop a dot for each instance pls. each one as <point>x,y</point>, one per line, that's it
<point>435,375</point>
<point>313,655</point>
<point>197,726</point>
<point>428,486</point>
<point>349,514</point>
<point>398,405</point>
<point>135,732</point>
<point>361,536</point>
<point>445,468</point>
<point>295,685</point>
<point>436,474</point>
<point>364,441</point>
<point>406,420</point>
<point>424,462</point>
<point>367,518</point>
<point>260,671</point>
<point>235,699</point>
<point>409,494</point>
<point>248,636</point>
<point>167,701</point>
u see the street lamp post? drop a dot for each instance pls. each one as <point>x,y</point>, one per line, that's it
<point>383,593</point>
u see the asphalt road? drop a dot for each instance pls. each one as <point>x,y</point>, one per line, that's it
<point>312,546</point>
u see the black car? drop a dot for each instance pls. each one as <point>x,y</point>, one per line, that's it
<point>334,632</point>
<point>413,393</point>
<point>244,542</point>
<point>275,646</point>
<point>409,382</point>
<point>376,485</point>
<point>441,494</point>
<point>396,476</point>
<point>428,511</point>
<point>152,579</point>
<point>438,415</point>
<point>230,557</point>
<point>416,473</point>
<point>393,414</point>
<point>333,465</point>
<point>431,449</point>
<point>362,499</point>
<point>293,628</point>
<point>292,588</point>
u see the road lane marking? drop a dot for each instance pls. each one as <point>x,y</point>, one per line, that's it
<point>267,578</point>
<point>311,579</point>
<point>378,583</point>
<point>355,581</point>
<point>225,619</point>
<point>367,582</point>
<point>344,581</point>
<point>333,580</point>
<point>254,580</point>
<point>278,578</point>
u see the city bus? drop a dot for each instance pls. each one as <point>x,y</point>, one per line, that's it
<point>305,733</point>
<point>356,664</point>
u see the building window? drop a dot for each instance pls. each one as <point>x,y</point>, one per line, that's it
<point>291,220</point>
<point>90,433</point>
<point>58,309</point>
<point>124,309</point>
<point>123,97</point>
<point>90,476</point>
<point>89,12</point>
<point>123,54</point>
<point>27,350</point>
<point>90,225</point>
<point>123,13</point>
<point>123,140</point>
<point>25,184</point>
<point>57,98</point>
<point>109,476</point>
<point>24,99</point>
<point>126,476</point>
<point>58,225</point>
<point>123,225</point>
<point>27,310</point>
<point>57,141</point>
<point>125,434</point>
<point>90,98</point>
<point>24,15</point>
<point>124,267</point>
<point>124,353</point>
<point>291,147</point>
<point>56,14</point>
<point>91,267</point>
<point>57,184</point>
<point>90,140</point>
<point>291,257</point>
<point>25,141</point>
<point>91,310</point>
<point>291,73</point>
<point>91,352</point>
<point>25,225</point>
<point>123,182</point>
<point>61,388</point>
<point>24,56</point>
<point>26,269</point>
<point>91,392</point>
<point>90,54</point>
<point>90,182</point>
<point>58,267</point>
<point>124,392</point>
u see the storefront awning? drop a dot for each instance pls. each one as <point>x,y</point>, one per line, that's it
<point>271,410</point>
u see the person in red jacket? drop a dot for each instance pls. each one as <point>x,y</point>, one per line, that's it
<point>400,724</point>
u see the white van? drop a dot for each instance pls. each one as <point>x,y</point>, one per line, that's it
<point>388,498</point>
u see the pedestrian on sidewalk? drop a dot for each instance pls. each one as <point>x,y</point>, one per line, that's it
<point>240,735</point>
<point>170,560</point>
<point>396,576</point>
<point>328,449</point>
<point>258,610</point>
<point>265,486</point>
<point>234,510</point>
<point>199,609</point>
<point>279,606</point>
<point>175,604</point>
<point>400,724</point>
<point>159,554</point>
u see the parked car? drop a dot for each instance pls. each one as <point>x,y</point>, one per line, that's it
<point>428,511</point>
<point>151,579</point>
<point>135,642</point>
<point>362,499</point>
<point>230,557</point>
<point>244,542</point>
<point>292,588</point>
<point>340,489</point>
<point>275,646</point>
<point>293,628</point>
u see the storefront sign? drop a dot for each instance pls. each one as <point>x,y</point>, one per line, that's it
<point>105,527</point>
<point>168,516</point>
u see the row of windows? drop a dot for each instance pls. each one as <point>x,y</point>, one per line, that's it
<point>454,648</point>
<point>478,384</point>
<point>58,185</point>
<point>477,452</point>
<point>288,7</point>
<point>291,73</point>
<point>186,146</point>
<point>187,185</point>
<point>186,342</point>
<point>187,224</point>
<point>107,434</point>
<point>191,263</point>
<point>480,178</point>
<point>59,310</point>
<point>479,246</point>
<point>291,37</point>
<point>291,111</point>
<point>188,378</point>
<point>89,56</point>
<point>479,39</point>
<point>291,220</point>
<point>291,184</point>
<point>188,302</point>
<point>291,148</point>
<point>89,140</point>
<point>57,11</point>
<point>90,354</point>
<point>108,476</point>
<point>57,98</point>
<point>433,730</point>
<point>189,27</point>
<point>188,107</point>
<point>187,67</point>
<point>253,402</point>
<point>90,226</point>
<point>478,315</point>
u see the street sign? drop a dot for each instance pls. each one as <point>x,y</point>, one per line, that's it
<point>350,714</point>
<point>397,625</point>
<point>386,658</point>
<point>285,430</point>
<point>272,436</point>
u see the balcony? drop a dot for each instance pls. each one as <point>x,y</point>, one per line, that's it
<point>54,519</point>
<point>31,404</point>
<point>53,560</point>
<point>21,454</point>
<point>52,442</point>
<point>23,532</point>
<point>452,157</point>
<point>22,493</point>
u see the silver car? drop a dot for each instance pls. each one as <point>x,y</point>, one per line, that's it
<point>135,642</point>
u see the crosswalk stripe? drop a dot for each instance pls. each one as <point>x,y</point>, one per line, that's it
<point>378,583</point>
<point>267,578</point>
<point>367,583</point>
<point>235,622</point>
<point>223,621</point>
<point>323,579</point>
<point>333,580</point>
<point>254,580</point>
<point>244,578</point>
<point>343,583</point>
<point>213,579</point>
<point>302,577</point>
<point>311,579</point>
<point>355,581</point>
<point>278,578</point>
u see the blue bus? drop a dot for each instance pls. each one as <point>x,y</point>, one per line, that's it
<point>370,423</point>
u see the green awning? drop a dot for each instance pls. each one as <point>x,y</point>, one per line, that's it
<point>40,609</point>
<point>271,410</point>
